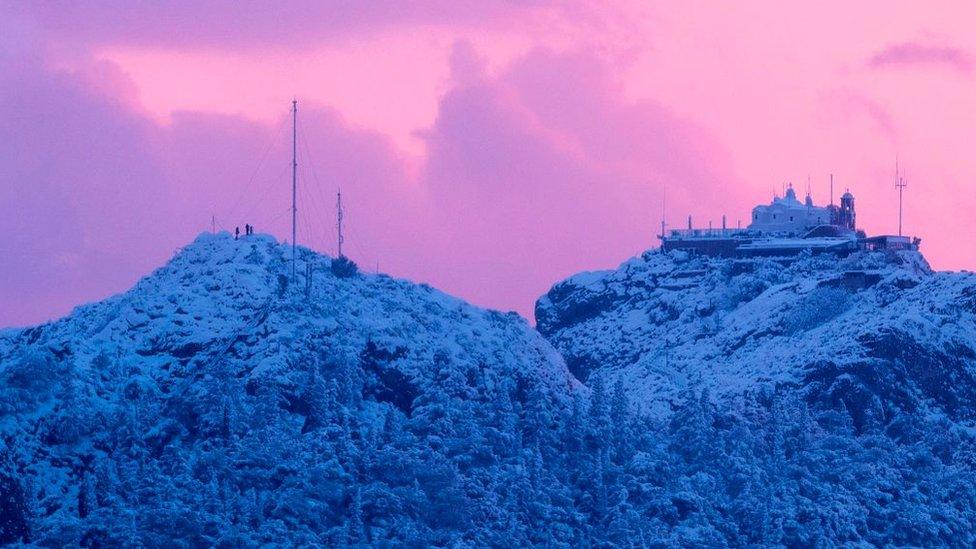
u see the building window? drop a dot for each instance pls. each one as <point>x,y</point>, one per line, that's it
<point>791,218</point>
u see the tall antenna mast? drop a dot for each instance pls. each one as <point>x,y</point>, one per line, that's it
<point>900,183</point>
<point>339,219</point>
<point>664,212</point>
<point>294,179</point>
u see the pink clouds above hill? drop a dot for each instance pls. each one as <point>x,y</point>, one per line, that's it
<point>488,149</point>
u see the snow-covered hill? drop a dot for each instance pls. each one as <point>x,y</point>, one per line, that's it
<point>232,301</point>
<point>221,345</point>
<point>224,402</point>
<point>879,331</point>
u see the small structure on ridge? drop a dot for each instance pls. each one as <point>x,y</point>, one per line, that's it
<point>785,227</point>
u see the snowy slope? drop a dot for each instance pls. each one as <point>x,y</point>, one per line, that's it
<point>231,301</point>
<point>219,403</point>
<point>880,332</point>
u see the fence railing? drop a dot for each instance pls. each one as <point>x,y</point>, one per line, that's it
<point>707,233</point>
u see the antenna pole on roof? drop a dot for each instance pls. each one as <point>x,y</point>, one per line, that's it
<point>831,189</point>
<point>339,215</point>
<point>294,179</point>
<point>664,212</point>
<point>900,184</point>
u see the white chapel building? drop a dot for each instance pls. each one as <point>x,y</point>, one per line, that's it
<point>789,215</point>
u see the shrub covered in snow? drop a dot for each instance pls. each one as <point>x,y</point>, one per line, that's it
<point>815,308</point>
<point>343,267</point>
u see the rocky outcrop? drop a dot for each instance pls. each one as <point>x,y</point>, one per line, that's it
<point>879,332</point>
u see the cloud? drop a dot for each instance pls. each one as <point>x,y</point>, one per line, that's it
<point>254,24</point>
<point>95,195</point>
<point>533,172</point>
<point>72,161</point>
<point>908,54</point>
<point>547,169</point>
<point>845,106</point>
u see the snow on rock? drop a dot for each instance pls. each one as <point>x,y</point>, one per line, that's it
<point>221,299</point>
<point>224,402</point>
<point>880,332</point>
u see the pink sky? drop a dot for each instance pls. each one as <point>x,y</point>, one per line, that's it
<point>489,149</point>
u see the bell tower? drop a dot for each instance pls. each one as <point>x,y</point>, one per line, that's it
<point>847,216</point>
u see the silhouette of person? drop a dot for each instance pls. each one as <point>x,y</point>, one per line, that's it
<point>237,232</point>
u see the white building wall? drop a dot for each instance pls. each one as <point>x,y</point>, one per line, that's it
<point>788,215</point>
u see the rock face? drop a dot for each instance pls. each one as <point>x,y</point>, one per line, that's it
<point>878,332</point>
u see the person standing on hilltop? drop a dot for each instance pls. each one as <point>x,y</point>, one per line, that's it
<point>237,232</point>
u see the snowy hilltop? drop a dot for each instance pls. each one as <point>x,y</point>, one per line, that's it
<point>219,371</point>
<point>235,302</point>
<point>227,400</point>
<point>879,331</point>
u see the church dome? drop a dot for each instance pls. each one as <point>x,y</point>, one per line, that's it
<point>790,193</point>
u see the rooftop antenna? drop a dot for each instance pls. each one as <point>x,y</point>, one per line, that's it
<point>339,219</point>
<point>831,189</point>
<point>900,183</point>
<point>664,212</point>
<point>294,179</point>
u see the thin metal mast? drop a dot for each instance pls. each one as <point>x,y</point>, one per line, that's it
<point>339,219</point>
<point>294,179</point>
<point>900,183</point>
<point>664,212</point>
